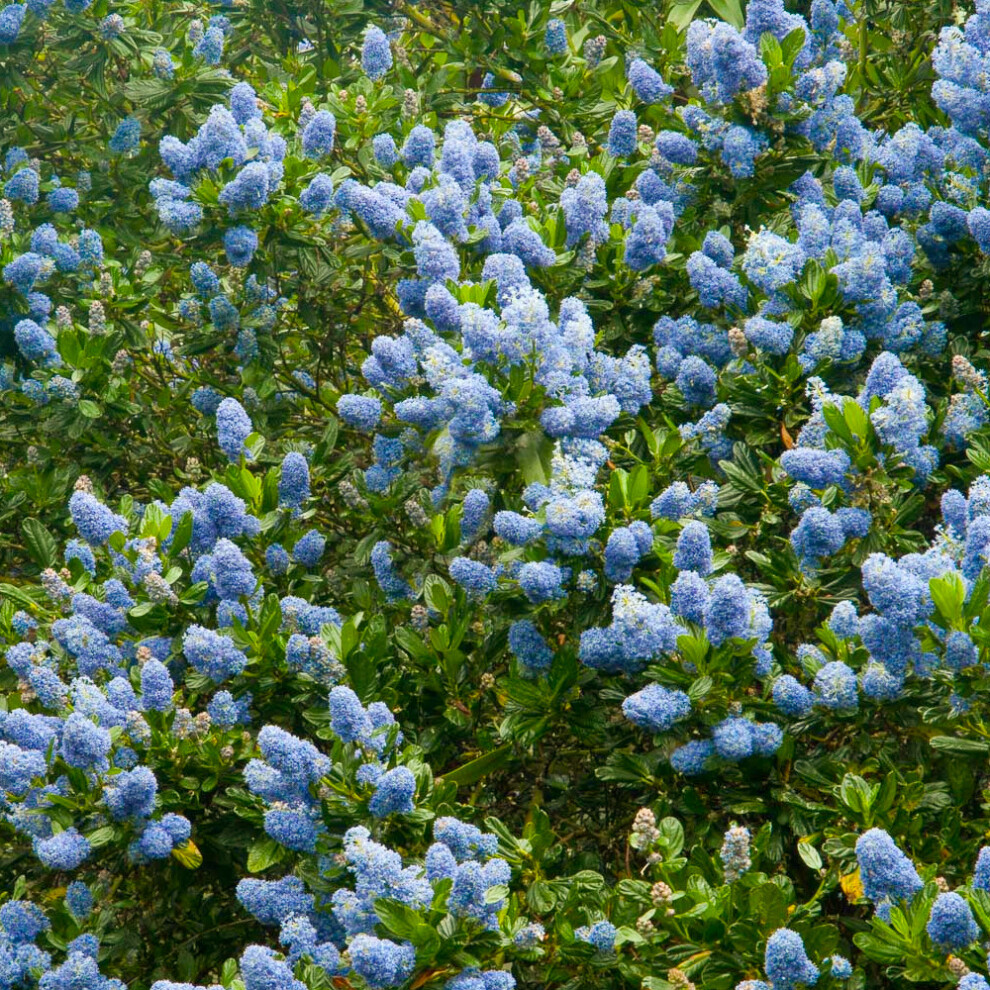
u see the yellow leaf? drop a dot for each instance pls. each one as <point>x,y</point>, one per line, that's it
<point>852,886</point>
<point>188,855</point>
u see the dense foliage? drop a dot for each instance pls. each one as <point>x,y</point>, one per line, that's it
<point>494,496</point>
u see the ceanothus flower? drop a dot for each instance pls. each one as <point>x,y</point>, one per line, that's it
<point>212,653</point>
<point>771,262</point>
<point>244,103</point>
<point>474,512</point>
<point>240,243</point>
<point>656,708</point>
<point>419,147</point>
<point>735,853</point>
<point>389,580</point>
<point>728,610</point>
<point>36,344</point>
<point>624,549</point>
<point>786,962</point>
<point>94,521</point>
<point>394,793</point>
<point>733,739</point>
<point>126,137</point>
<point>887,874</point>
<point>694,549</point>
<point>260,970</point>
<point>601,935</point>
<point>233,428</point>
<point>622,134</point>
<point>361,411</point>
<point>476,578</point>
<point>541,581</point>
<point>11,18</point>
<point>210,47</point>
<point>317,197</point>
<point>722,62</point>
<point>585,205</point>
<point>65,851</point>
<point>646,82</point>
<point>529,647</point>
<point>555,37</point>
<point>309,548</point>
<point>249,190</point>
<point>78,899</point>
<point>648,236</point>
<point>293,482</point>
<point>385,150</point>
<point>696,380</point>
<point>951,925</point>
<point>380,962</point>
<point>318,135</point>
<point>63,200</point>
<point>376,53</point>
<point>791,697</point>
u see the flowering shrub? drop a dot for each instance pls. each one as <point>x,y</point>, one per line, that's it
<point>493,497</point>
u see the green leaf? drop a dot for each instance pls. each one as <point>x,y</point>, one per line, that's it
<point>768,905</point>
<point>835,418</point>
<point>188,855</point>
<point>728,10</point>
<point>40,543</point>
<point>534,450</point>
<point>639,484</point>
<point>809,854</point>
<point>700,687</point>
<point>856,794</point>
<point>181,535</point>
<point>437,593</point>
<point>952,744</point>
<point>671,837</point>
<point>949,594</point>
<point>540,897</point>
<point>628,768</point>
<point>694,648</point>
<point>496,894</point>
<point>264,853</point>
<point>474,770</point>
<point>101,836</point>
<point>17,596</point>
<point>228,972</point>
<point>89,409</point>
<point>770,51</point>
<point>876,950</point>
<point>329,440</point>
<point>791,45</point>
<point>681,14</point>
<point>855,417</point>
<point>400,919</point>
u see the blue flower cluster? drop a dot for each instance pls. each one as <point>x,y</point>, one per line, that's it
<point>342,941</point>
<point>237,134</point>
<point>899,636</point>
<point>26,963</point>
<point>47,266</point>
<point>105,691</point>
